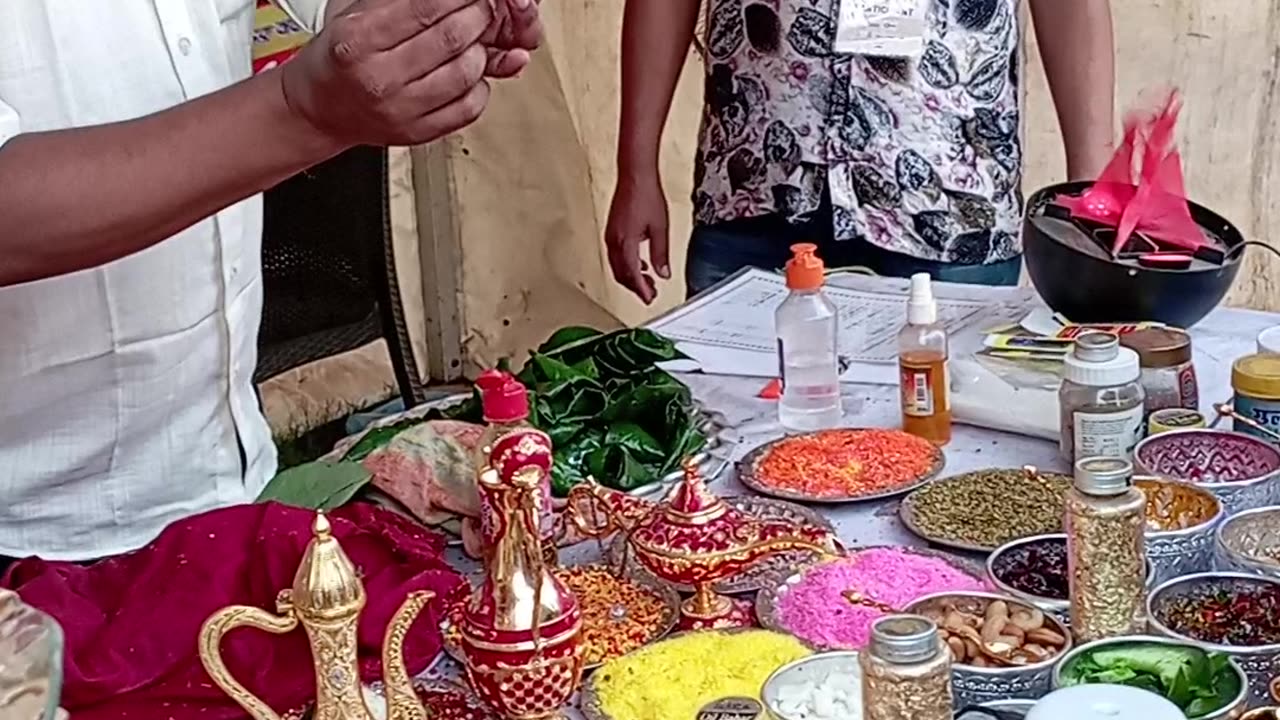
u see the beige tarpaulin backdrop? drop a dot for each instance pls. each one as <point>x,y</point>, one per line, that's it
<point>499,227</point>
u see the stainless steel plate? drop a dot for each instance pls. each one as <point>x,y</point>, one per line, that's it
<point>670,598</point>
<point>761,572</point>
<point>770,597</point>
<point>748,474</point>
<point>907,514</point>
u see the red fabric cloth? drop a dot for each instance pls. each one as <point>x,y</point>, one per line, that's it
<point>132,622</point>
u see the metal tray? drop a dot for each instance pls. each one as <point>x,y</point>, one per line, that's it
<point>768,599</point>
<point>906,513</point>
<point>663,590</point>
<point>760,573</point>
<point>747,475</point>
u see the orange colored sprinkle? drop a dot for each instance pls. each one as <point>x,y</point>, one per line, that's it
<point>846,463</point>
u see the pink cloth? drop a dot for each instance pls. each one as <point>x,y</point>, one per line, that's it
<point>132,622</point>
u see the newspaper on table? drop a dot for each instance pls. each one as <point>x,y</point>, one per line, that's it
<point>728,330</point>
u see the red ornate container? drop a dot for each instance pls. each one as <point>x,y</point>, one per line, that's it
<point>521,629</point>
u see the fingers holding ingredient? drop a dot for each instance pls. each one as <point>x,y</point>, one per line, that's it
<point>393,72</point>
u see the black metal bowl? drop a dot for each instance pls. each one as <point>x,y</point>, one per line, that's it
<point>1087,286</point>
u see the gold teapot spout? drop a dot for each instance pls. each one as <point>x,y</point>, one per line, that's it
<point>403,702</point>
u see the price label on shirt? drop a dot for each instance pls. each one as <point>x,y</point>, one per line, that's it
<point>890,28</point>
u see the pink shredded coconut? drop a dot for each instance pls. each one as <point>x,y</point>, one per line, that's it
<point>816,611</point>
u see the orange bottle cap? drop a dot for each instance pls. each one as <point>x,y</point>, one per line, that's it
<point>805,270</point>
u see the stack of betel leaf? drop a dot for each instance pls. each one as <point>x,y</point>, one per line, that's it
<point>610,411</point>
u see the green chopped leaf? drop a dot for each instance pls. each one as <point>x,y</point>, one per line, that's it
<point>317,485</point>
<point>1197,682</point>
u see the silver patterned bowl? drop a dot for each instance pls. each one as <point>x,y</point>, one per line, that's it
<point>1231,710</point>
<point>1259,662</point>
<point>1241,470</point>
<point>1249,542</point>
<point>1174,553</point>
<point>973,685</point>
<point>802,669</point>
<point>1059,608</point>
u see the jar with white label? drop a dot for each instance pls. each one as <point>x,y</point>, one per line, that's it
<point>1101,399</point>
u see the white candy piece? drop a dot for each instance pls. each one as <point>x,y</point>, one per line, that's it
<point>835,694</point>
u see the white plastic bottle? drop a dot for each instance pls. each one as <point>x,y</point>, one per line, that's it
<point>806,324</point>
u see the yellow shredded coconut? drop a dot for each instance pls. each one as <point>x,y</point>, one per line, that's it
<point>673,679</point>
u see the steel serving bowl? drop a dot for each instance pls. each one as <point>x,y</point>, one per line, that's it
<point>1230,711</point>
<point>800,670</point>
<point>1060,609</point>
<point>1243,540</point>
<point>1241,470</point>
<point>1174,553</point>
<point>1259,662</point>
<point>973,685</point>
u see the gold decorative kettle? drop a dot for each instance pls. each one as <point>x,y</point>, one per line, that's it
<point>326,599</point>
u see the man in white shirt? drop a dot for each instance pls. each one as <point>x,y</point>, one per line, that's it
<point>133,148</point>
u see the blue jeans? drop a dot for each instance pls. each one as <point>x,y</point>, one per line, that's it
<point>718,251</point>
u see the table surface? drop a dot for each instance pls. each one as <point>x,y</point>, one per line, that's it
<point>1224,335</point>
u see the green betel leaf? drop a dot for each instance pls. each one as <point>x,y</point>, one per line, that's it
<point>317,485</point>
<point>567,336</point>
<point>638,443</point>
<point>549,369</point>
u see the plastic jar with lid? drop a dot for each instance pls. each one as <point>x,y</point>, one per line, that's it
<point>1256,382</point>
<point>1168,373</point>
<point>1104,702</point>
<point>1101,400</point>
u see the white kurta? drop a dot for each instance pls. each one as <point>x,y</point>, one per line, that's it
<point>124,389</point>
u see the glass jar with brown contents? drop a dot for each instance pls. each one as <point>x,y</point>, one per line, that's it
<point>1106,552</point>
<point>906,671</point>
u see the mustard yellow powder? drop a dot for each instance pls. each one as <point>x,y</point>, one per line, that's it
<point>673,679</point>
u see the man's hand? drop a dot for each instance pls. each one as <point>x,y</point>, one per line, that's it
<point>516,31</point>
<point>393,72</point>
<point>638,213</point>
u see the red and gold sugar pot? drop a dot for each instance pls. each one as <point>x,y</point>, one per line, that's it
<point>521,629</point>
<point>692,538</point>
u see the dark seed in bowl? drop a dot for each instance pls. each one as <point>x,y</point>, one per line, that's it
<point>1037,568</point>
<point>1244,616</point>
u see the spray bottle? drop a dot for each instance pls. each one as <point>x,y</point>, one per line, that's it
<point>922,363</point>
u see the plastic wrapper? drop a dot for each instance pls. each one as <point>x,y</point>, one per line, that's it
<point>1150,199</point>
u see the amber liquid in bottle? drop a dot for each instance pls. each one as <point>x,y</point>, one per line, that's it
<point>926,409</point>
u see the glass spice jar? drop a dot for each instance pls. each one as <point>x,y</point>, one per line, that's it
<point>906,671</point>
<point>1168,373</point>
<point>1106,553</point>
<point>1100,400</point>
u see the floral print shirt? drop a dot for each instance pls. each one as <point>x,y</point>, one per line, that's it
<point>921,155</point>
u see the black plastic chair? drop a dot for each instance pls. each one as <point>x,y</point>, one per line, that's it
<point>329,275</point>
